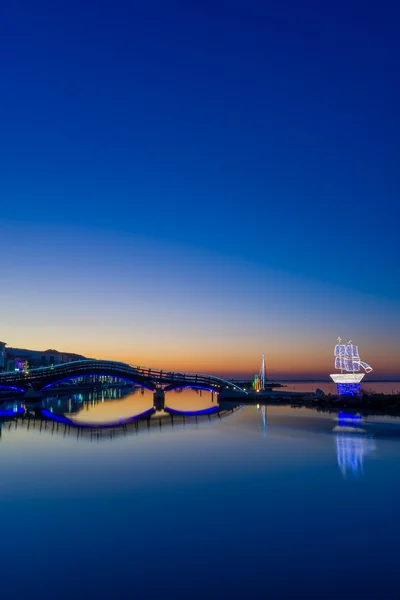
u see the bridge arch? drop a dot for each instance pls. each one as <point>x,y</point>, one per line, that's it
<point>180,386</point>
<point>137,380</point>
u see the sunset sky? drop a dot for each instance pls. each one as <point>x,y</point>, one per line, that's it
<point>188,185</point>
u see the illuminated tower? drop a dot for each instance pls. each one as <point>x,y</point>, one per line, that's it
<point>261,378</point>
<point>263,373</point>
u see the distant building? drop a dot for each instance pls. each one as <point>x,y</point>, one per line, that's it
<point>10,362</point>
<point>14,358</point>
<point>2,355</point>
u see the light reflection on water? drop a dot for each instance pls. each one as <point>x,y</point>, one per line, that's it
<point>352,445</point>
<point>352,449</point>
<point>353,442</point>
<point>275,486</point>
<point>115,403</point>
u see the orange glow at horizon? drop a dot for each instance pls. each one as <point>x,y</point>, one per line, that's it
<point>181,311</point>
<point>284,361</point>
<point>279,362</point>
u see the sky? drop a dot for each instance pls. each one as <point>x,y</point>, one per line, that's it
<point>188,185</point>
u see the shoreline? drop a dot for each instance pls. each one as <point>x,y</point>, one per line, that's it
<point>382,404</point>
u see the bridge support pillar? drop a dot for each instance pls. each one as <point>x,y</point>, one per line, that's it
<point>159,399</point>
<point>32,395</point>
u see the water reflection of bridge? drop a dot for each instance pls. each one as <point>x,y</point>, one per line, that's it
<point>42,420</point>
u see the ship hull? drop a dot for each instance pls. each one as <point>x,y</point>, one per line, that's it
<point>347,377</point>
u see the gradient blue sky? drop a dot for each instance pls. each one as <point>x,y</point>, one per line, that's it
<point>190,184</point>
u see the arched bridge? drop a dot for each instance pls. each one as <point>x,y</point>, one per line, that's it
<point>151,379</point>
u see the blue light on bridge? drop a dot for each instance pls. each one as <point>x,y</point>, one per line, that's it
<point>12,387</point>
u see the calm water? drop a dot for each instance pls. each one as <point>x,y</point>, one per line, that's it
<point>283,503</point>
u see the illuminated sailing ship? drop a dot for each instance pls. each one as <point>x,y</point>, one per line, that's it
<point>348,361</point>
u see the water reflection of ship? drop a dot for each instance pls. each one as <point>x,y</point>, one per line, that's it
<point>352,444</point>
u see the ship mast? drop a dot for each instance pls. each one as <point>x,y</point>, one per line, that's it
<point>341,365</point>
<point>352,356</point>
